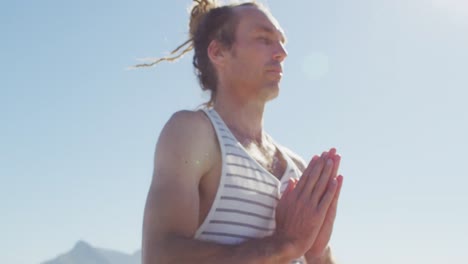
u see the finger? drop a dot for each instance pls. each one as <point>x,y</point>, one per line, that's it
<point>328,196</point>
<point>336,159</point>
<point>302,181</point>
<point>324,154</point>
<point>331,214</point>
<point>336,165</point>
<point>312,178</point>
<point>322,182</point>
<point>296,180</point>
<point>285,199</point>
<point>339,180</point>
<point>305,178</point>
<point>290,187</point>
<point>332,152</point>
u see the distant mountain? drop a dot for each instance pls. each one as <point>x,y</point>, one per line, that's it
<point>84,253</point>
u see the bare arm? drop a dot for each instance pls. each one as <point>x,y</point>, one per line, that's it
<point>186,151</point>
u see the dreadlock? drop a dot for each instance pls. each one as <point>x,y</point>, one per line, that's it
<point>208,21</point>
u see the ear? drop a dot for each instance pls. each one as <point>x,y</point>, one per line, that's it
<point>217,53</point>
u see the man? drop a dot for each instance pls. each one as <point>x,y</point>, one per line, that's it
<point>223,191</point>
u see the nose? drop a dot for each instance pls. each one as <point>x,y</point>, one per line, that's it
<point>280,52</point>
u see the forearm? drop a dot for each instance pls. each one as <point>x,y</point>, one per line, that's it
<point>184,250</point>
<point>326,258</point>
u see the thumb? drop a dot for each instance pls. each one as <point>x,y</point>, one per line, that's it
<point>291,185</point>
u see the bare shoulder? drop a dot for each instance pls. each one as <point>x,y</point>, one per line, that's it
<point>188,126</point>
<point>182,158</point>
<point>187,139</point>
<point>196,120</point>
<point>298,160</point>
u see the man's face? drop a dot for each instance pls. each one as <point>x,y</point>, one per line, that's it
<point>255,61</point>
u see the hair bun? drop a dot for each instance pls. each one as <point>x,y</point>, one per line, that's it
<point>199,9</point>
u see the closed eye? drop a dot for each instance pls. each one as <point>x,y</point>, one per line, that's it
<point>265,40</point>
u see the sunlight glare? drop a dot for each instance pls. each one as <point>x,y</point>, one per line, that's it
<point>455,10</point>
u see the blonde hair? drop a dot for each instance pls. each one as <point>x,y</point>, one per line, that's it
<point>208,21</point>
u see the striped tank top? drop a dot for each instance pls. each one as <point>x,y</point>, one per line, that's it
<point>247,195</point>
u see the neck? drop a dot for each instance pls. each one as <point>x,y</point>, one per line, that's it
<point>243,117</point>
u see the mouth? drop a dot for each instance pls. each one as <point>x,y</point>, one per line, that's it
<point>274,68</point>
<point>274,75</point>
<point>277,72</point>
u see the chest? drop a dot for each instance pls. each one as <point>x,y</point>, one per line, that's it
<point>238,201</point>
<point>269,157</point>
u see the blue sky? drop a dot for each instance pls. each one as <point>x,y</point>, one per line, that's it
<point>383,81</point>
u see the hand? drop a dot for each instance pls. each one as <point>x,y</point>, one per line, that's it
<point>302,208</point>
<point>321,243</point>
